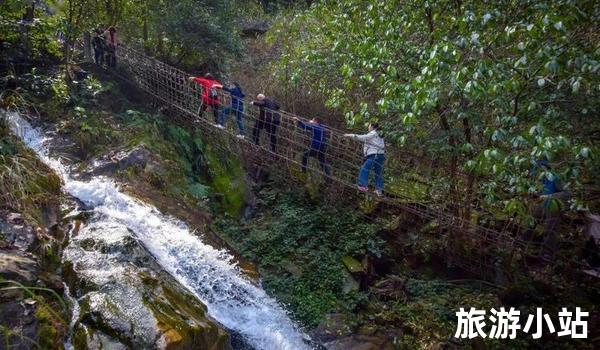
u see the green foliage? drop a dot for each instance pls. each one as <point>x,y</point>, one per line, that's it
<point>186,145</point>
<point>186,32</point>
<point>26,184</point>
<point>430,306</point>
<point>7,147</point>
<point>299,245</point>
<point>50,314</point>
<point>489,86</point>
<point>28,38</point>
<point>199,191</point>
<point>189,32</point>
<point>308,304</point>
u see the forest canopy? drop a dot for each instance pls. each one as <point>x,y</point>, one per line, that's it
<point>491,86</point>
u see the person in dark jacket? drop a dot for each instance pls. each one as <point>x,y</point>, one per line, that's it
<point>268,119</point>
<point>318,144</point>
<point>210,95</point>
<point>237,106</point>
<point>98,45</point>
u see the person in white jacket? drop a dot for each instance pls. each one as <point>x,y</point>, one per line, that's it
<point>374,149</point>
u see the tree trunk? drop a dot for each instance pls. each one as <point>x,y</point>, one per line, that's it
<point>87,47</point>
<point>159,45</point>
<point>453,161</point>
<point>471,175</point>
<point>145,35</point>
<point>29,14</point>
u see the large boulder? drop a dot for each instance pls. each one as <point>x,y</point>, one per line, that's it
<point>137,157</point>
<point>126,300</point>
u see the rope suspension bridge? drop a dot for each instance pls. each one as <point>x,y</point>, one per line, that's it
<point>487,240</point>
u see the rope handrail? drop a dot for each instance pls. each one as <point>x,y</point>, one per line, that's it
<point>406,188</point>
<point>347,150</point>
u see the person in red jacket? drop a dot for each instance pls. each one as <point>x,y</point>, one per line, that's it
<point>111,43</point>
<point>210,95</point>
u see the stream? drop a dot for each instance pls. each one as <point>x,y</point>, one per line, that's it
<point>210,274</point>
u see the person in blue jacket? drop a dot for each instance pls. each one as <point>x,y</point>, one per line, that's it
<point>237,106</point>
<point>549,212</point>
<point>318,144</point>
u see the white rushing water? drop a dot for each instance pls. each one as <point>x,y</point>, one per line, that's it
<point>207,272</point>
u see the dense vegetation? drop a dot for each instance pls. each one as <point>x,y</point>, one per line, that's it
<point>488,88</point>
<point>485,89</point>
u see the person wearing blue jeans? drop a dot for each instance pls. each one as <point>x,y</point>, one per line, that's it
<point>374,152</point>
<point>236,107</point>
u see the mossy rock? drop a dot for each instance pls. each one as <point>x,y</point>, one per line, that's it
<point>353,265</point>
<point>182,319</point>
<point>228,179</point>
<point>50,330</point>
<point>141,306</point>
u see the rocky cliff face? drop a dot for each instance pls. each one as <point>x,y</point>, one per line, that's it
<point>66,277</point>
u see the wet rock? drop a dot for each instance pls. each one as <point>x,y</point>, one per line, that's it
<point>19,266</point>
<point>14,232</point>
<point>99,341</point>
<point>171,339</point>
<point>250,270</point>
<point>593,226</point>
<point>19,318</point>
<point>50,215</point>
<point>125,296</point>
<point>86,338</point>
<point>139,157</point>
<point>14,218</point>
<point>367,329</point>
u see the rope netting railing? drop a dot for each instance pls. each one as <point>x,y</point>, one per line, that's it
<point>408,178</point>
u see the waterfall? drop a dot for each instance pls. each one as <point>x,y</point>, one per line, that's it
<point>209,273</point>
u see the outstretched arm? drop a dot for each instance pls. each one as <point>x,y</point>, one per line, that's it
<point>365,137</point>
<point>301,124</point>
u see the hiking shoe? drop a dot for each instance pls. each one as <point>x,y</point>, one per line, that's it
<point>219,126</point>
<point>379,193</point>
<point>362,189</point>
<point>240,136</point>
